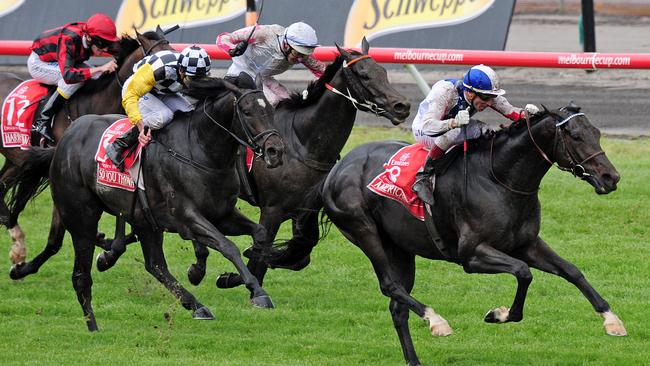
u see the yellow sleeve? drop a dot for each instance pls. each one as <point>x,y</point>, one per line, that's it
<point>141,83</point>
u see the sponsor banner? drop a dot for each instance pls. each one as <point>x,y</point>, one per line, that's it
<point>7,6</point>
<point>374,18</point>
<point>147,14</point>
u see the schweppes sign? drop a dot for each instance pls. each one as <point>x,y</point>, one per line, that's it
<point>374,18</point>
<point>7,6</point>
<point>147,14</point>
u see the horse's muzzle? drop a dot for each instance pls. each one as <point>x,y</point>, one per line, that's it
<point>273,151</point>
<point>399,112</point>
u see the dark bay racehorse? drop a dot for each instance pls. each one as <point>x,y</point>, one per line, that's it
<point>315,130</point>
<point>100,96</point>
<point>191,185</point>
<point>495,229</point>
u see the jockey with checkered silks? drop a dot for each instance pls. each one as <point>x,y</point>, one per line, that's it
<point>151,95</point>
<point>448,107</point>
<point>59,58</point>
<point>268,50</point>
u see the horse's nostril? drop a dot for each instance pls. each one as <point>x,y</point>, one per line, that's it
<point>271,151</point>
<point>401,107</point>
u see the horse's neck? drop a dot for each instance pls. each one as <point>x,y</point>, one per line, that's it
<point>206,142</point>
<point>105,101</point>
<point>517,161</point>
<point>324,128</point>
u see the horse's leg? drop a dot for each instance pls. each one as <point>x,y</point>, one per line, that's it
<point>486,259</point>
<point>542,257</point>
<point>204,232</point>
<point>196,271</point>
<point>270,219</point>
<point>54,241</point>
<point>18,251</point>
<point>82,281</point>
<point>108,258</point>
<point>156,265</point>
<point>403,265</point>
<point>305,232</point>
<point>120,234</point>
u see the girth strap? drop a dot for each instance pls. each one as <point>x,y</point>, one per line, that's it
<point>433,232</point>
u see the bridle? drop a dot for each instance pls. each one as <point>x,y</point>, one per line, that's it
<point>252,141</point>
<point>575,165</point>
<point>353,79</point>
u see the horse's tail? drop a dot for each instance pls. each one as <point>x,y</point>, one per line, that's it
<point>32,179</point>
<point>294,253</point>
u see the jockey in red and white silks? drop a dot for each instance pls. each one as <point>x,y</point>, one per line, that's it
<point>269,51</point>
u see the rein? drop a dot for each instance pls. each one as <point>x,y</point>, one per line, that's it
<point>366,106</point>
<point>576,168</point>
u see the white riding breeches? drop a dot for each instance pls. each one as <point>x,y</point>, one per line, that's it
<point>50,74</point>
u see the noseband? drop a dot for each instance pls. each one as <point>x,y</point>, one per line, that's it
<point>366,106</point>
<point>575,166</point>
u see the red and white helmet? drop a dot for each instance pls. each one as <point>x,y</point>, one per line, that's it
<point>102,26</point>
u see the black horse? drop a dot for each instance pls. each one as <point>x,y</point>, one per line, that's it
<point>99,96</point>
<point>315,130</point>
<point>493,229</point>
<point>190,182</point>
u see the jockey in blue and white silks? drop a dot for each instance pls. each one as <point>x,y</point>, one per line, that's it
<point>449,105</point>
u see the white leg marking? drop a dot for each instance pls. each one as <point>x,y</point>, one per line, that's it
<point>437,324</point>
<point>613,325</point>
<point>18,251</point>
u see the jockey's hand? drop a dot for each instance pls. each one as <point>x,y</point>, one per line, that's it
<point>239,49</point>
<point>531,109</point>
<point>461,119</point>
<point>110,66</point>
<point>143,138</point>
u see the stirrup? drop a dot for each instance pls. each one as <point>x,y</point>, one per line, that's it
<point>44,132</point>
<point>422,188</point>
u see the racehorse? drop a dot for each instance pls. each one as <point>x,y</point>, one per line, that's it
<point>190,183</point>
<point>494,228</point>
<point>101,96</point>
<point>315,130</point>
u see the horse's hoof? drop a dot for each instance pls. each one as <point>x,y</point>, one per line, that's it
<point>498,315</point>
<point>195,274</point>
<point>263,301</point>
<point>613,325</point>
<point>202,313</point>
<point>253,254</point>
<point>229,280</point>
<point>294,266</point>
<point>16,272</point>
<point>102,262</point>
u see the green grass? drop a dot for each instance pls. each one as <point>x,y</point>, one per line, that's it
<point>332,312</point>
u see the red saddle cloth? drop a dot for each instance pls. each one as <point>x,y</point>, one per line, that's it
<point>399,175</point>
<point>107,172</point>
<point>18,111</point>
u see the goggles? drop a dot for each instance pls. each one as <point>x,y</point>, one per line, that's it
<point>485,97</point>
<point>295,53</point>
<point>100,42</point>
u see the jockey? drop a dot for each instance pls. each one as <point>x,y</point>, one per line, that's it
<point>448,106</point>
<point>59,58</point>
<point>150,96</point>
<point>270,50</point>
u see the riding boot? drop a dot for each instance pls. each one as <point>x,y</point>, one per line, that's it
<point>423,186</point>
<point>42,124</point>
<point>115,150</point>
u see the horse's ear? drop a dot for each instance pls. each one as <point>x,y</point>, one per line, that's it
<point>343,52</point>
<point>159,31</point>
<point>231,87</point>
<point>365,46</point>
<point>259,82</point>
<point>545,109</point>
<point>573,107</point>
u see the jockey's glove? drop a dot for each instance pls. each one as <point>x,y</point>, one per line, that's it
<point>531,109</point>
<point>239,49</point>
<point>461,119</point>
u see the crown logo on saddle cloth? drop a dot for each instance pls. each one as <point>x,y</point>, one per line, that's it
<point>107,173</point>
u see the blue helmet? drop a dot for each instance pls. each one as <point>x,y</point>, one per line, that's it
<point>482,79</point>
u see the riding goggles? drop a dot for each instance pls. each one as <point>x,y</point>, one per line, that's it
<point>485,97</point>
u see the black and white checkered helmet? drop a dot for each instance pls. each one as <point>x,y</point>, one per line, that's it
<point>194,61</point>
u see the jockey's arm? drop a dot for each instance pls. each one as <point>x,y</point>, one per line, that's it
<point>227,41</point>
<point>429,120</point>
<point>142,81</point>
<point>70,73</point>
<point>501,105</point>
<point>316,67</point>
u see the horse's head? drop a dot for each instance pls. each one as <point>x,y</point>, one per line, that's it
<point>577,149</point>
<point>368,83</point>
<point>253,121</point>
<point>134,50</point>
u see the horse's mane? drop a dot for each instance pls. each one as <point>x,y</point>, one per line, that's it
<point>514,128</point>
<point>315,89</point>
<point>126,46</point>
<point>205,87</point>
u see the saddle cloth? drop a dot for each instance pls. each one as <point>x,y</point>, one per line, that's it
<point>107,172</point>
<point>18,110</point>
<point>399,175</point>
